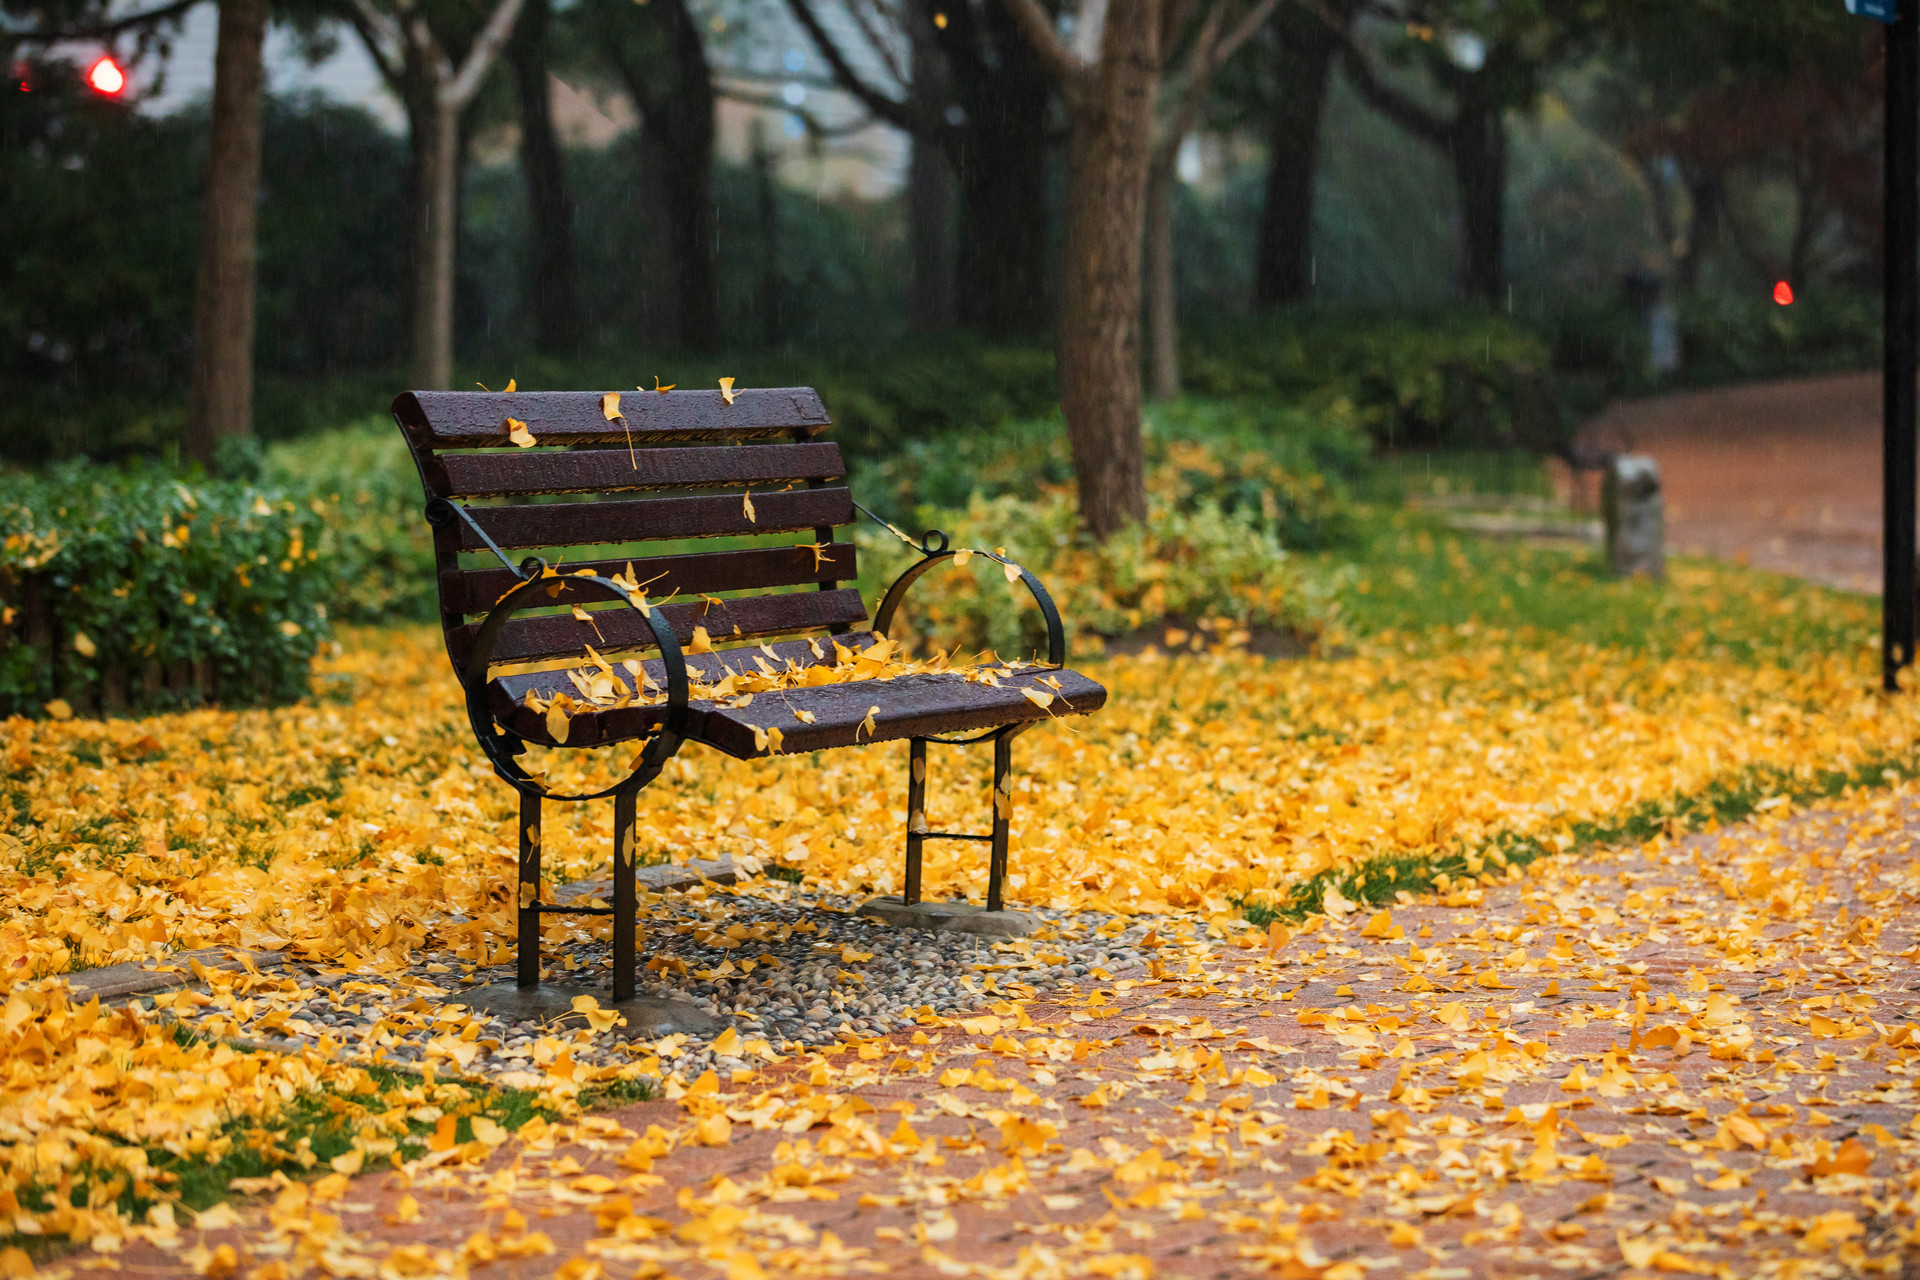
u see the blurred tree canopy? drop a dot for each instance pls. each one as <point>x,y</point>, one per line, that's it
<point>1529,155</point>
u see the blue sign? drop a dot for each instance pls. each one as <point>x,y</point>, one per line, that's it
<point>1884,10</point>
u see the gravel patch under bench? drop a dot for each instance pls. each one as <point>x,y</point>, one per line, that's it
<point>783,964</point>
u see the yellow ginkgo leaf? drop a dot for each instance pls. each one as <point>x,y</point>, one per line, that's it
<point>1011,570</point>
<point>963,555</point>
<point>701,642</point>
<point>1037,698</point>
<point>746,503</point>
<point>726,390</point>
<point>511,386</point>
<point>866,725</point>
<point>610,405</point>
<point>558,723</point>
<point>657,387</point>
<point>518,433</point>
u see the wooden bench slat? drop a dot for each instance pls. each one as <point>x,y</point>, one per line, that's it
<point>908,707</point>
<point>571,524</point>
<point>508,690</point>
<point>754,569</point>
<point>621,630</point>
<point>477,419</point>
<point>613,469</point>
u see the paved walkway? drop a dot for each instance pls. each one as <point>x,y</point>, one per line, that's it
<point>1696,1058</point>
<point>1784,475</point>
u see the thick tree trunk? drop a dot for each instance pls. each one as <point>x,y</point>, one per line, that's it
<point>1706,222</point>
<point>685,113</point>
<point>552,291</point>
<point>1163,322</point>
<point>773,286</point>
<point>1099,334</point>
<point>1283,251</point>
<point>930,195</point>
<point>930,233</point>
<point>222,395</point>
<point>1001,281</point>
<point>434,250</point>
<point>1477,143</point>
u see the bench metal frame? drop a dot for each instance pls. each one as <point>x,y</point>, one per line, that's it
<point>503,747</point>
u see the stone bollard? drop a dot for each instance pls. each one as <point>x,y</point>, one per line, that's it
<point>1636,516</point>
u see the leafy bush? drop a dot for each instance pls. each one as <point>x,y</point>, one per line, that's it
<point>1287,467</point>
<point>376,540</point>
<point>131,587</point>
<point>1450,379</point>
<point>1602,351</point>
<point>1198,563</point>
<point>1229,487</point>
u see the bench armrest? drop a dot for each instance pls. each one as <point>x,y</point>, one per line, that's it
<point>1056,634</point>
<point>502,745</point>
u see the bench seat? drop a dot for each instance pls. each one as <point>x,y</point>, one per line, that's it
<point>935,704</point>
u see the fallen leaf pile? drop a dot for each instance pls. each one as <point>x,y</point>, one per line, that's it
<point>360,829</point>
<point>1690,1057</point>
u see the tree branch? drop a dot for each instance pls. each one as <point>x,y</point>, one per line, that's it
<point>815,126</point>
<point>1210,52</point>
<point>103,31</point>
<point>381,37</point>
<point>1065,66</point>
<point>895,112</point>
<point>1389,101</point>
<point>481,54</point>
<point>857,12</point>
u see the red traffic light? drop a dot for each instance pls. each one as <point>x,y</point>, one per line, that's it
<point>105,77</point>
<point>1783,294</point>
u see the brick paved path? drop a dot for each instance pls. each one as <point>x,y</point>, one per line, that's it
<point>1696,1058</point>
<point>1785,475</point>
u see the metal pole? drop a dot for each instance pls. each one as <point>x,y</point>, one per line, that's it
<point>1902,169</point>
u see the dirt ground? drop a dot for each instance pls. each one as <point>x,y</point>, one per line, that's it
<point>1783,475</point>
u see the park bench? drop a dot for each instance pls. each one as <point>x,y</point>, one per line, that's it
<point>685,464</point>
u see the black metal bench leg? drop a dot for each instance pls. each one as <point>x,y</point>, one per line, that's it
<point>528,974</point>
<point>624,904</point>
<point>1002,819</point>
<point>916,816</point>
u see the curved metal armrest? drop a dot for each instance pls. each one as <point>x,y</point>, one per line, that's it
<point>502,745</point>
<point>1056,634</point>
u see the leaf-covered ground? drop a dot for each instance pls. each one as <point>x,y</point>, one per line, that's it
<point>359,830</point>
<point>1687,1057</point>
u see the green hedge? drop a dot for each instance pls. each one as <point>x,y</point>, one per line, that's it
<point>1449,379</point>
<point>136,590</point>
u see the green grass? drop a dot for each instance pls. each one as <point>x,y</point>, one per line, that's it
<point>1410,574</point>
<point>1380,881</point>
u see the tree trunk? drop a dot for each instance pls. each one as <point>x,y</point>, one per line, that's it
<point>930,231</point>
<point>681,115</point>
<point>1001,281</point>
<point>930,194</point>
<point>1477,145</point>
<point>1099,334</point>
<point>773,286</point>
<point>1283,251</point>
<point>434,249</point>
<point>1163,323</point>
<point>222,395</point>
<point>552,290</point>
<point>1706,222</point>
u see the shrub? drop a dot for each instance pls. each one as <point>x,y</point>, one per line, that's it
<point>1454,379</point>
<point>1229,487</point>
<point>135,589</point>
<point>363,483</point>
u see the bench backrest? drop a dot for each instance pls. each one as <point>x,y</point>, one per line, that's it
<point>759,448</point>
